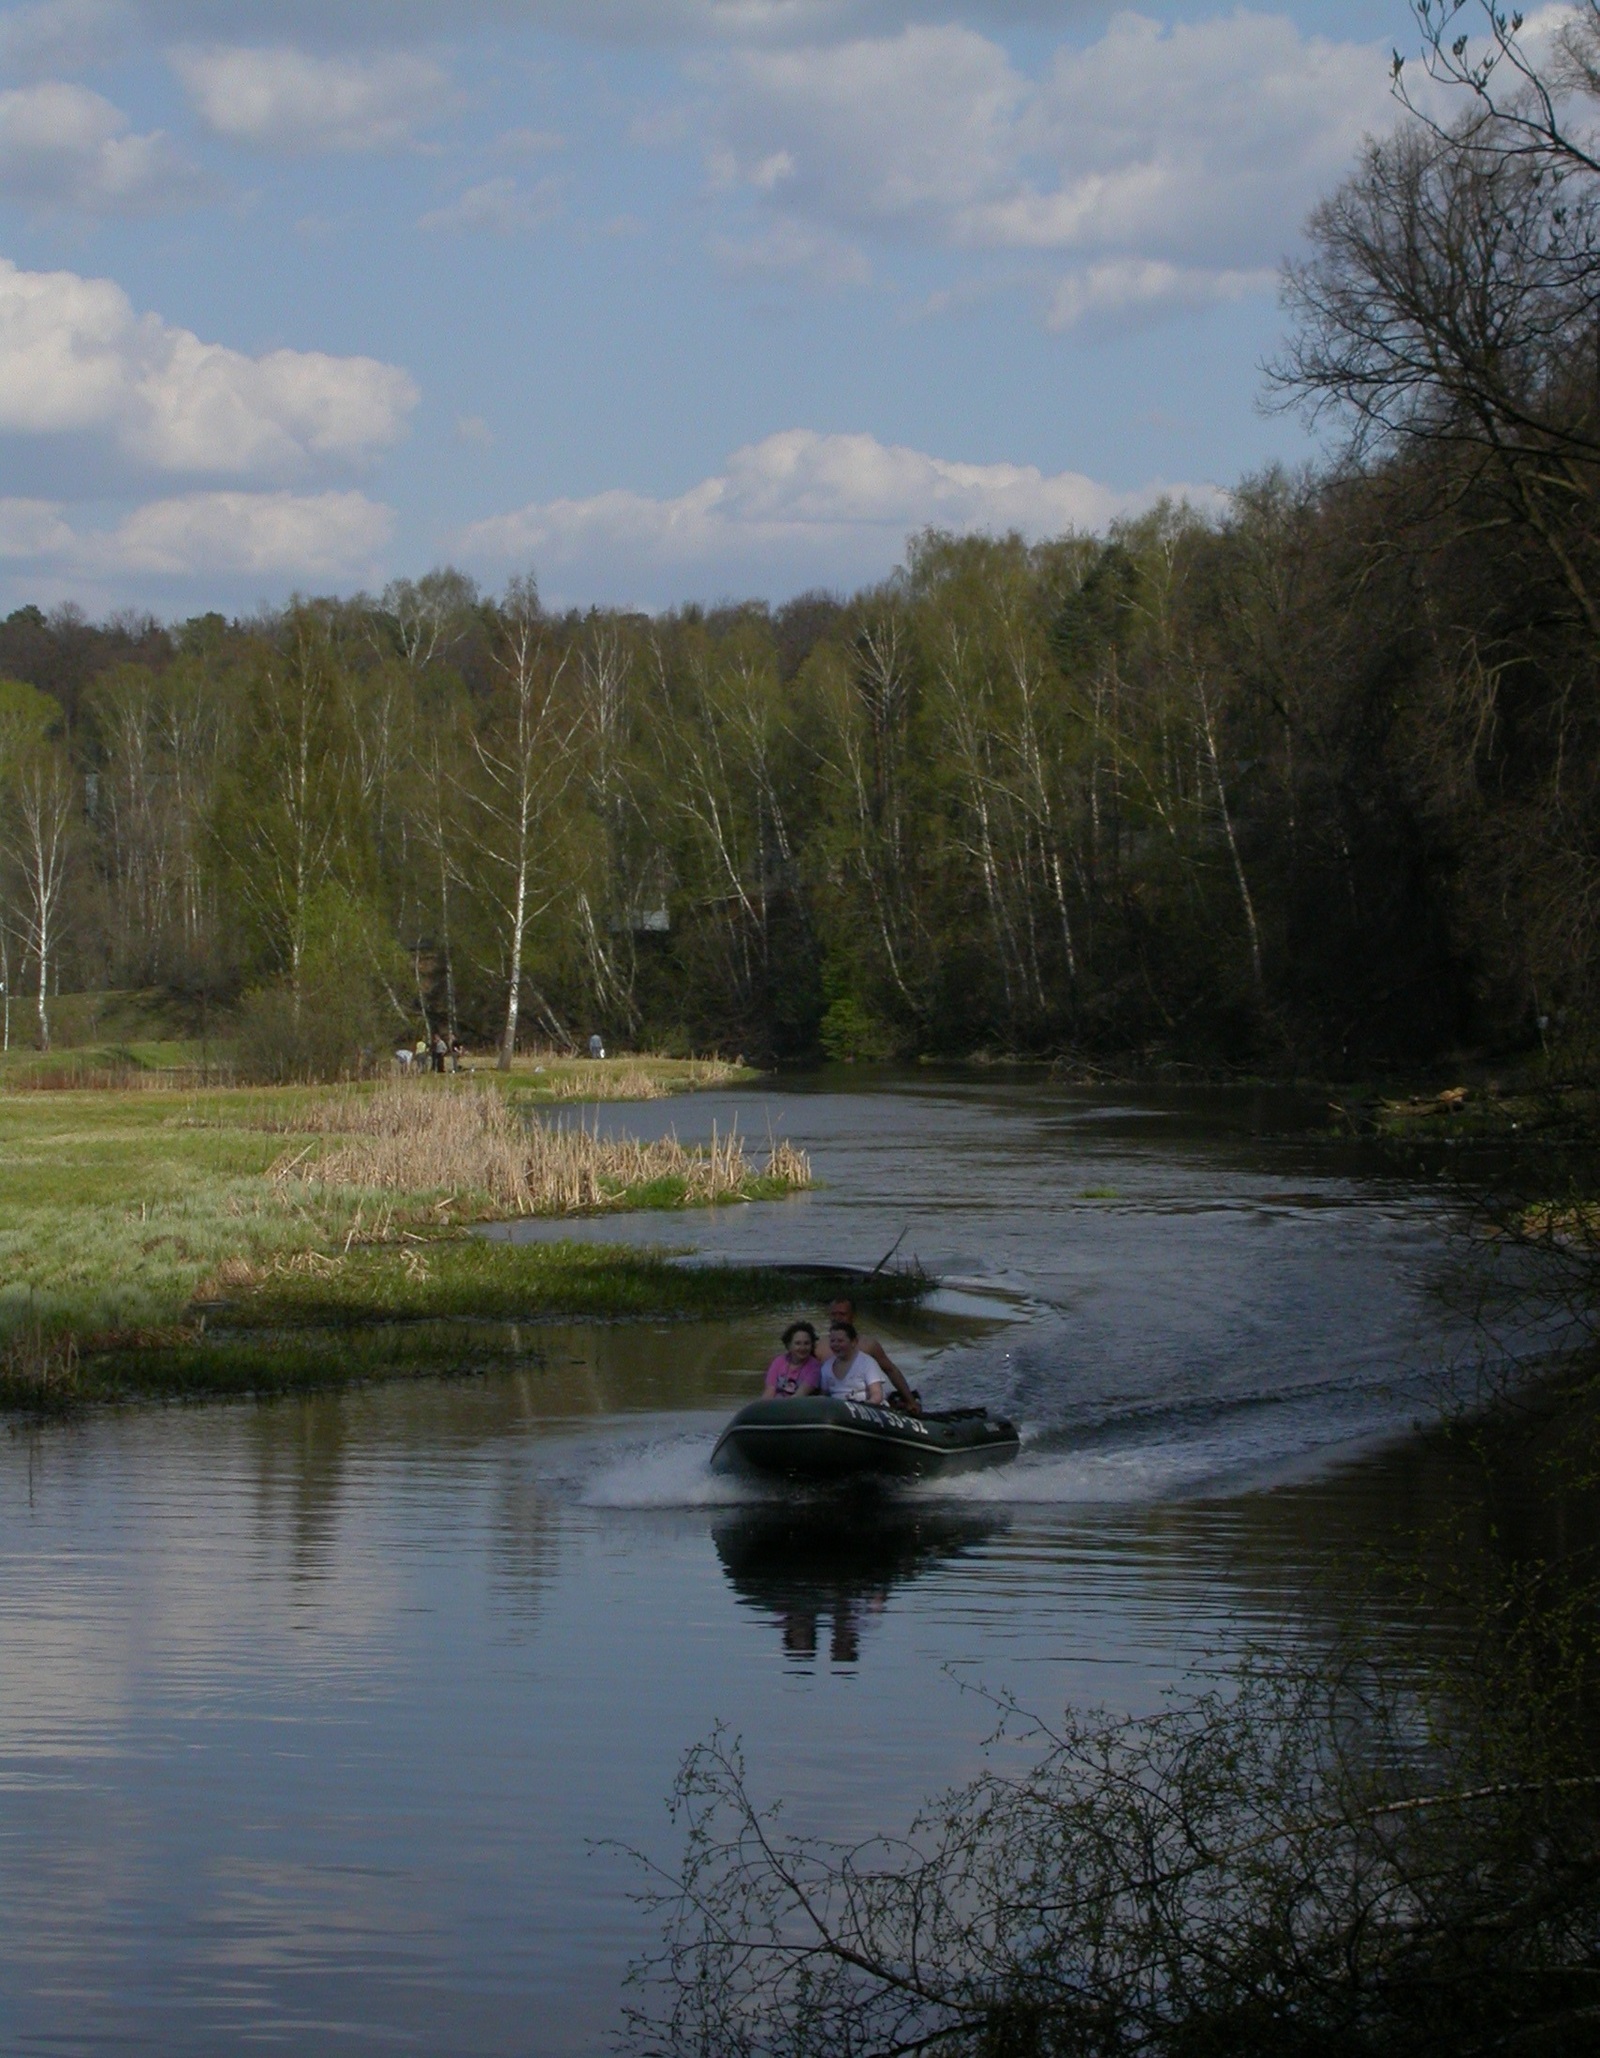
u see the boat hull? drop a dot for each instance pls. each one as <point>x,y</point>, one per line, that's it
<point>826,1438</point>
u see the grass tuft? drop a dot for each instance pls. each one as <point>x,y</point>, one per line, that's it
<point>39,1371</point>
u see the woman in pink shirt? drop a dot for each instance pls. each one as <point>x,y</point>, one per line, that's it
<point>798,1371</point>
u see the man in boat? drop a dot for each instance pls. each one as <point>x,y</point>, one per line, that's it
<point>797,1371</point>
<point>844,1310</point>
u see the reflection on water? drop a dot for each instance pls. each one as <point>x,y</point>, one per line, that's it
<point>825,1570</point>
<point>300,1464</point>
<point>313,1714</point>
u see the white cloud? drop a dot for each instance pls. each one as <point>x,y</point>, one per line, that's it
<point>798,507</point>
<point>1218,133</point>
<point>604,21</point>
<point>499,206</point>
<point>791,246</point>
<point>268,536</point>
<point>1130,289</point>
<point>1197,145</point>
<point>62,146</point>
<point>758,20</point>
<point>898,132</point>
<point>61,35</point>
<point>32,528</point>
<point>289,100</point>
<point>75,357</point>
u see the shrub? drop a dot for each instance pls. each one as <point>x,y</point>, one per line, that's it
<point>852,1035</point>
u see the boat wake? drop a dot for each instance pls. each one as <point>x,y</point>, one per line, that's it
<point>1182,1453</point>
<point>669,1472</point>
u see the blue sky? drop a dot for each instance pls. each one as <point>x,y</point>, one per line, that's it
<point>661,299</point>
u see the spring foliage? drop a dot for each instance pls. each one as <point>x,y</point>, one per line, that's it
<point>1316,782</point>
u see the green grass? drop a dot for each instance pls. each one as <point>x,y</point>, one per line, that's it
<point>114,1206</point>
<point>114,1064</point>
<point>134,1223</point>
<point>483,1279</point>
<point>452,1307</point>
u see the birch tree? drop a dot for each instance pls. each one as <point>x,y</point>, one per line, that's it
<point>161,739</point>
<point>864,708</point>
<point>282,823</point>
<point>38,807</point>
<point>526,762</point>
<point>724,793</point>
<point>42,813</point>
<point>622,881</point>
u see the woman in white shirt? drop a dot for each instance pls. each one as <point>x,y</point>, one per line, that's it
<point>848,1372</point>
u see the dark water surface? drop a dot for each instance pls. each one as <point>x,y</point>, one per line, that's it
<point>313,1714</point>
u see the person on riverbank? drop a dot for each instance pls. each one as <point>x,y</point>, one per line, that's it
<point>798,1371</point>
<point>847,1372</point>
<point>844,1310</point>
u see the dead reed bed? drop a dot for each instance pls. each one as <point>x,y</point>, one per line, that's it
<point>626,1078</point>
<point>39,1368</point>
<point>70,1076</point>
<point>474,1145</point>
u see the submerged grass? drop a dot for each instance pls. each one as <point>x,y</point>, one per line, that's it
<point>122,1214</point>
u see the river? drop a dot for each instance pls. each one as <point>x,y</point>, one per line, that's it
<point>321,1720</point>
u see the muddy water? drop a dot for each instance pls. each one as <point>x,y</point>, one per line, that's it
<point>315,1717</point>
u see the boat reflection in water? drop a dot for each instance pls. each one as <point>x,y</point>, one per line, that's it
<point>827,1568</point>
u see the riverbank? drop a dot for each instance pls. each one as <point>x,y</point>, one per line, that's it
<point>450,1306</point>
<point>133,1222</point>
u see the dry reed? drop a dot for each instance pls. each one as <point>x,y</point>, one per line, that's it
<point>473,1144</point>
<point>39,1368</point>
<point>71,1077</point>
<point>628,1078</point>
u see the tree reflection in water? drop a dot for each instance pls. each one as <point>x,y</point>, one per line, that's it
<point>833,1563</point>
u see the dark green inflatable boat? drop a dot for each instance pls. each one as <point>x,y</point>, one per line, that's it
<point>826,1438</point>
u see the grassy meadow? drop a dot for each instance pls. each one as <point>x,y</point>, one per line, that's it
<point>164,1238</point>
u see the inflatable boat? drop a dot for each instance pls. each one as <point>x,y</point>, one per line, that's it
<point>828,1438</point>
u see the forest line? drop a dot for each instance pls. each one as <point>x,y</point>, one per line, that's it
<point>1309,786</point>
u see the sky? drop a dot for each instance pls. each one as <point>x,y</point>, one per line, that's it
<point>659,300</point>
